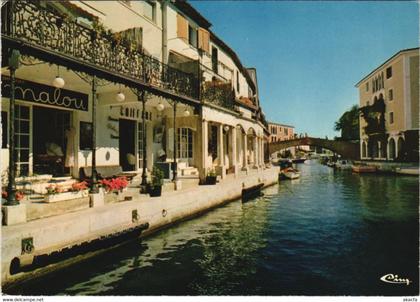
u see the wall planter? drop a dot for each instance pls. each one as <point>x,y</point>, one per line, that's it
<point>211,180</point>
<point>51,198</point>
<point>155,191</point>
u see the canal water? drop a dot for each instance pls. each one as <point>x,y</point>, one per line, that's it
<point>327,233</point>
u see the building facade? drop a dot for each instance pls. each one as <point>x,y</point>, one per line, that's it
<point>153,88</point>
<point>389,105</point>
<point>280,132</point>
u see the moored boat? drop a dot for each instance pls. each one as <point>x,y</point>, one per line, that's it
<point>408,171</point>
<point>363,169</point>
<point>343,165</point>
<point>290,173</point>
<point>299,160</point>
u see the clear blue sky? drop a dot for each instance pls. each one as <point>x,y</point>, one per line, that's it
<point>309,55</point>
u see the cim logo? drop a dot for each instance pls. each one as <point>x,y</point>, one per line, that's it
<point>395,279</point>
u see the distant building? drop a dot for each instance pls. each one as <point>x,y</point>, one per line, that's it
<point>389,104</point>
<point>280,132</point>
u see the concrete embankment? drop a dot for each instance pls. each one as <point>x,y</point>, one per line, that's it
<point>39,240</point>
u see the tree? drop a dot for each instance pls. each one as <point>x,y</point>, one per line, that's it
<point>348,124</point>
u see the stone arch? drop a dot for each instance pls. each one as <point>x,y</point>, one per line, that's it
<point>392,154</point>
<point>364,149</point>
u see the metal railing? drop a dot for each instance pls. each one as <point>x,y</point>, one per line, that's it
<point>216,89</point>
<point>29,22</point>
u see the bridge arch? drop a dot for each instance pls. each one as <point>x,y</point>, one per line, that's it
<point>347,150</point>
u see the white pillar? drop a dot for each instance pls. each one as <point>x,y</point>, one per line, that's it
<point>204,144</point>
<point>233,144</point>
<point>221,151</point>
<point>255,151</point>
<point>245,151</point>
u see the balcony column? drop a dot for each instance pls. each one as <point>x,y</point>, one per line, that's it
<point>174,167</point>
<point>221,151</point>
<point>11,186</point>
<point>94,186</point>
<point>233,146</point>
<point>205,149</point>
<point>142,98</point>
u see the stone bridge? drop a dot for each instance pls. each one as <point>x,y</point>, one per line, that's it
<point>347,150</point>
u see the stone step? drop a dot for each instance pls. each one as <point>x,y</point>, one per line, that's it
<point>189,171</point>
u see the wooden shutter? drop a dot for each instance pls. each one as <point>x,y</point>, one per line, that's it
<point>182,27</point>
<point>204,40</point>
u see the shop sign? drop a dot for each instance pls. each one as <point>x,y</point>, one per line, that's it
<point>44,94</point>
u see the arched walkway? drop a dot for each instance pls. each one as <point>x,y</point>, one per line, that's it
<point>364,149</point>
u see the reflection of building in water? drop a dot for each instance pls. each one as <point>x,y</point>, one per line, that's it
<point>231,234</point>
<point>395,196</point>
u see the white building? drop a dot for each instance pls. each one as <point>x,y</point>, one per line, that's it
<point>123,53</point>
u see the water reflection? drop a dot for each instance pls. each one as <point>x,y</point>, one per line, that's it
<point>327,233</point>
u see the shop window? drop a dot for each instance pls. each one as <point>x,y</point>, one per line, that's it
<point>4,130</point>
<point>389,72</point>
<point>86,134</point>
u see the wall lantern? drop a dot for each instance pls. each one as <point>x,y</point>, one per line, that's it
<point>120,97</point>
<point>226,127</point>
<point>58,82</point>
<point>186,112</point>
<point>160,107</point>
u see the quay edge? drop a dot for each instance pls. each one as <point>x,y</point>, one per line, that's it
<point>54,234</point>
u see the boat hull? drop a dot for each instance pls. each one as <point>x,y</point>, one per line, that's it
<point>407,171</point>
<point>363,169</point>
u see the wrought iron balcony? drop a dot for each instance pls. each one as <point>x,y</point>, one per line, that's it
<point>216,90</point>
<point>30,23</point>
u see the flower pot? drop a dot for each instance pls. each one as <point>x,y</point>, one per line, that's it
<point>155,191</point>
<point>65,196</point>
<point>211,180</point>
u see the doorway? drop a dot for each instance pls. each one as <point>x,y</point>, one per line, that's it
<point>50,140</point>
<point>127,145</point>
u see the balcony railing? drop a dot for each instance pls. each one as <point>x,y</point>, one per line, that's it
<point>32,24</point>
<point>216,90</point>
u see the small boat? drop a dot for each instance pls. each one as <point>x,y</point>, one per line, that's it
<point>299,160</point>
<point>408,171</point>
<point>290,173</point>
<point>343,165</point>
<point>331,164</point>
<point>252,192</point>
<point>363,169</point>
<point>285,163</point>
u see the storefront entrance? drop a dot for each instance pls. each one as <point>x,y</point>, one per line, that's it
<point>51,137</point>
<point>127,130</point>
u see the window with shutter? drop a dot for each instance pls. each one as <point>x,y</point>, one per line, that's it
<point>204,40</point>
<point>182,27</point>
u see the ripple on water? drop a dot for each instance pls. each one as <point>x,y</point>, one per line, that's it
<point>328,233</point>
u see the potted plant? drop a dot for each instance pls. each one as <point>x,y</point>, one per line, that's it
<point>211,177</point>
<point>155,187</point>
